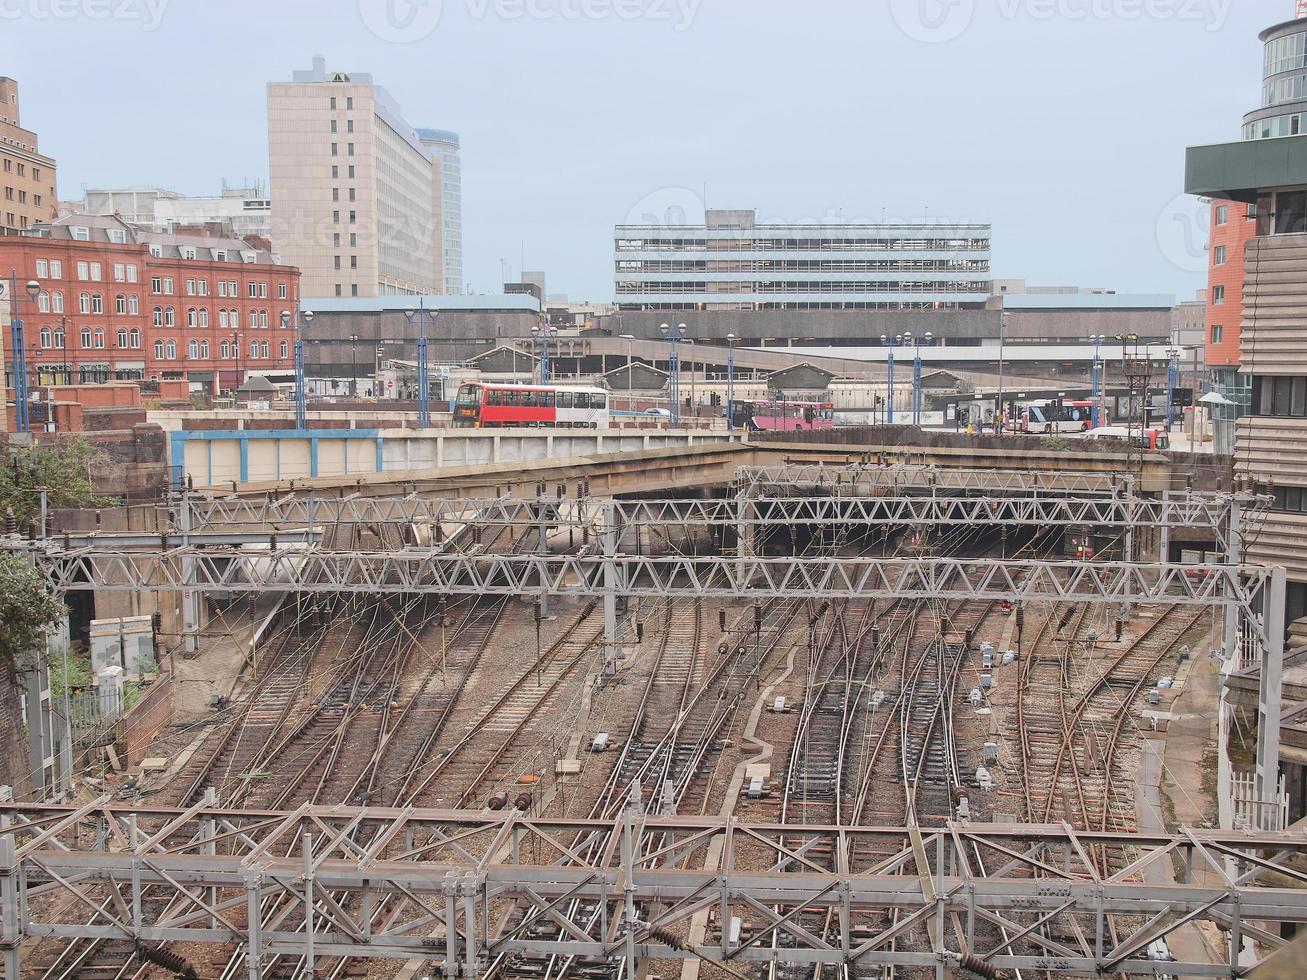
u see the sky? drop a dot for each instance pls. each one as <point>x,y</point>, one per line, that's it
<point>1063,123</point>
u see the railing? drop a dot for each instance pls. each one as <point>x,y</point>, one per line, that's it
<point>93,716</point>
<point>1255,814</point>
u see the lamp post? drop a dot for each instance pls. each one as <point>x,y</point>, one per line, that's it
<point>302,323</point>
<point>1172,376</point>
<point>730,381</point>
<point>424,381</point>
<point>1096,381</point>
<point>354,365</point>
<point>891,342</point>
<point>674,369</point>
<point>22,405</point>
<point>1002,344</point>
<point>541,334</point>
<point>916,374</point>
<point>694,400</point>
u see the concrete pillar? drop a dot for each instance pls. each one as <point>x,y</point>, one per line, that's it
<point>1269,692</point>
<point>111,690</point>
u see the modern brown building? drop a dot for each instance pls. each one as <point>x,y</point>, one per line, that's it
<point>1268,171</point>
<point>26,176</point>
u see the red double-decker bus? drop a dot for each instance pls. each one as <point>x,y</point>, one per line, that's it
<point>494,406</point>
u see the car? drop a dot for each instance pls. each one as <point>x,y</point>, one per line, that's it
<point>661,413</point>
<point>1154,438</point>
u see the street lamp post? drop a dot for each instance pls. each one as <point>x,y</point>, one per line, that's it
<point>302,323</point>
<point>1002,343</point>
<point>916,375</point>
<point>730,381</point>
<point>674,369</point>
<point>889,388</point>
<point>424,381</point>
<point>22,405</point>
<point>1096,380</point>
<point>354,365</point>
<point>694,400</point>
<point>541,335</point>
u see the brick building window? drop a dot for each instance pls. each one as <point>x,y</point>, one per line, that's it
<point>1218,295</point>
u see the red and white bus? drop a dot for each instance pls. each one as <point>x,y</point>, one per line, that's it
<point>494,406</point>
<point>782,416</point>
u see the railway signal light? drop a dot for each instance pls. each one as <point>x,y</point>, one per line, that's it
<point>721,619</point>
<point>639,632</point>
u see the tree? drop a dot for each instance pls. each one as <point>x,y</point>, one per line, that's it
<point>27,613</point>
<point>63,469</point>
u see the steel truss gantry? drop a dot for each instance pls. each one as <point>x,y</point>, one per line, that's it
<point>463,889</point>
<point>939,507</point>
<point>591,573</point>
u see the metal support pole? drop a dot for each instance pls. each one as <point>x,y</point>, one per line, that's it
<point>889,409</point>
<point>208,831</point>
<point>1233,552</point>
<point>254,914</point>
<point>916,383</point>
<point>674,383</point>
<point>1095,409</point>
<point>611,535</point>
<point>730,383</point>
<point>628,869</point>
<point>309,969</point>
<point>1269,689</point>
<point>1172,373</point>
<point>300,400</point>
<point>190,596</point>
<point>469,891</point>
<point>451,925</point>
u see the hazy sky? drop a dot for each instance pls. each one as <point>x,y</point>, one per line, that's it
<point>1061,122</point>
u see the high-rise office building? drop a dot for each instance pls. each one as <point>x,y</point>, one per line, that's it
<point>448,166</point>
<point>733,263</point>
<point>353,187</point>
<point>26,176</point>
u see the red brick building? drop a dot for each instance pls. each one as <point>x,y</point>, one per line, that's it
<point>118,303</point>
<point>1233,224</point>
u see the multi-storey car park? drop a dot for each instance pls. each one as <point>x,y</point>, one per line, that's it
<point>831,715</point>
<point>733,263</point>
